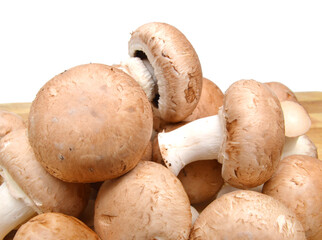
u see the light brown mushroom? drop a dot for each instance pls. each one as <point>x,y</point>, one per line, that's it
<point>167,67</point>
<point>148,202</point>
<point>297,183</point>
<point>201,180</point>
<point>28,189</point>
<point>211,100</point>
<point>301,145</point>
<point>296,118</point>
<point>53,226</point>
<point>282,92</point>
<point>246,214</point>
<point>9,122</point>
<point>247,136</point>
<point>90,123</point>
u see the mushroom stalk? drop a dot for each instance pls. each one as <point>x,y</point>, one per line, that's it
<point>13,211</point>
<point>143,73</point>
<point>197,140</point>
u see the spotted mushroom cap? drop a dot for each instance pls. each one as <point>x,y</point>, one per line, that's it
<point>245,214</point>
<point>297,183</point>
<point>90,123</point>
<point>149,202</point>
<point>47,193</point>
<point>53,226</point>
<point>175,65</point>
<point>254,134</point>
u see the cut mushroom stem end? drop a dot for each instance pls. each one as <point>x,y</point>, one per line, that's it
<point>197,140</point>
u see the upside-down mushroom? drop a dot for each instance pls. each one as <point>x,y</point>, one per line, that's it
<point>90,123</point>
<point>165,64</point>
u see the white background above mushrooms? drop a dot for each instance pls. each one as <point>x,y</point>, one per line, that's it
<point>266,41</point>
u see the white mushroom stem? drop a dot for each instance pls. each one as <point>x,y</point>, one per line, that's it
<point>16,207</point>
<point>143,73</point>
<point>299,145</point>
<point>197,140</point>
<point>13,212</point>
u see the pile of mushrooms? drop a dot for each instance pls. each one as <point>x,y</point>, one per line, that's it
<point>151,149</point>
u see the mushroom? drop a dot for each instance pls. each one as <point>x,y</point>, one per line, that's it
<point>211,100</point>
<point>247,136</point>
<point>167,67</point>
<point>52,226</point>
<point>201,180</point>
<point>28,189</point>
<point>282,92</point>
<point>297,120</point>
<point>297,183</point>
<point>246,214</point>
<point>10,121</point>
<point>90,123</point>
<point>148,202</point>
<point>301,145</point>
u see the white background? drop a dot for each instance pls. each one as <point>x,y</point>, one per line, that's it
<point>263,40</point>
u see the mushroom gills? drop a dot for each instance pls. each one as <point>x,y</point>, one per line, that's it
<point>155,91</point>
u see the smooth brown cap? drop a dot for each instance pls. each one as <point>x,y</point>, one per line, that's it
<point>254,134</point>
<point>297,183</point>
<point>53,226</point>
<point>9,122</point>
<point>176,67</point>
<point>201,180</point>
<point>245,214</point>
<point>282,92</point>
<point>90,123</point>
<point>48,193</point>
<point>149,202</point>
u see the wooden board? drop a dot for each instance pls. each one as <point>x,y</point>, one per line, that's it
<point>312,101</point>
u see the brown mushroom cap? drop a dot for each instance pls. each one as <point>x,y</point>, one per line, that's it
<point>201,180</point>
<point>211,100</point>
<point>50,226</point>
<point>282,92</point>
<point>9,122</point>
<point>48,193</point>
<point>90,123</point>
<point>297,119</point>
<point>254,134</point>
<point>297,183</point>
<point>175,65</point>
<point>246,214</point>
<point>149,202</point>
